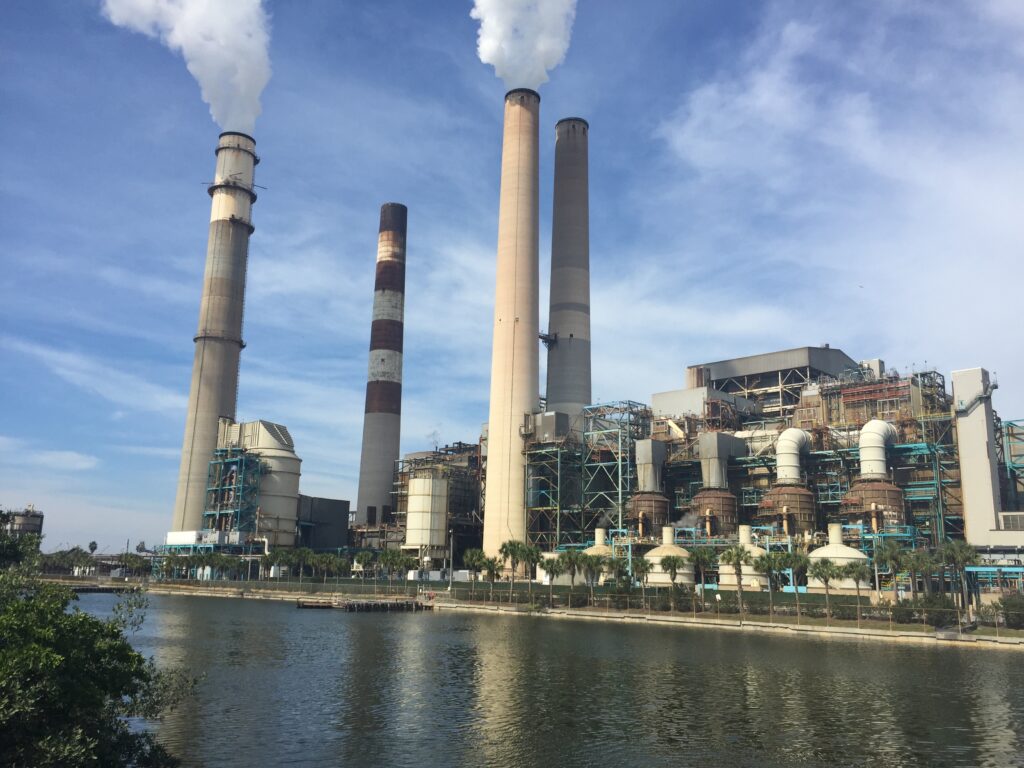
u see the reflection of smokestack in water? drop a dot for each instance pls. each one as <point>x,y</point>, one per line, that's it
<point>383,415</point>
<point>568,388</point>
<point>514,355</point>
<point>214,390</point>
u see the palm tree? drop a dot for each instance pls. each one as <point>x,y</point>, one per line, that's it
<point>573,561</point>
<point>889,554</point>
<point>512,552</point>
<point>915,562</point>
<point>473,559</point>
<point>592,567</point>
<point>364,559</point>
<point>769,564</point>
<point>555,567</point>
<point>92,547</point>
<point>531,558</point>
<point>960,554</point>
<point>641,571</point>
<point>824,570</point>
<point>796,562</point>
<point>391,560</point>
<point>737,556</point>
<point>859,571</point>
<point>672,565</point>
<point>491,565</point>
<point>703,559</point>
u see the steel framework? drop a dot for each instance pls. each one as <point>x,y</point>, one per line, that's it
<point>554,514</point>
<point>233,491</point>
<point>610,432</point>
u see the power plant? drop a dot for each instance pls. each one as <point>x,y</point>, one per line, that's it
<point>766,452</point>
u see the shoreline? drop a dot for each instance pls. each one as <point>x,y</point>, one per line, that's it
<point>626,617</point>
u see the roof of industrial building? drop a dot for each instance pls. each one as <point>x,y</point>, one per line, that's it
<point>828,360</point>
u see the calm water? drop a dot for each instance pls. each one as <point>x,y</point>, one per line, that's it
<point>290,687</point>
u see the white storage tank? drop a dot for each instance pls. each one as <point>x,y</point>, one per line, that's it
<point>668,548</point>
<point>752,578</point>
<point>427,516</point>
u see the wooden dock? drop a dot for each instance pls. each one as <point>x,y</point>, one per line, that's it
<point>359,605</point>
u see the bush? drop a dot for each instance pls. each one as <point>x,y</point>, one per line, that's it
<point>1012,607</point>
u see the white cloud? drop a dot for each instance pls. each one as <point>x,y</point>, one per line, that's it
<point>20,453</point>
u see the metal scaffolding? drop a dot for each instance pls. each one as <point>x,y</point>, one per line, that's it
<point>610,432</point>
<point>233,491</point>
<point>1013,454</point>
<point>554,490</point>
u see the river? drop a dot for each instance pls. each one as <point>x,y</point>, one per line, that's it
<point>288,687</point>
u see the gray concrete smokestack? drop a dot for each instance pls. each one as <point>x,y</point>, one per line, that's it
<point>515,358</point>
<point>568,388</point>
<point>382,422</point>
<point>214,391</point>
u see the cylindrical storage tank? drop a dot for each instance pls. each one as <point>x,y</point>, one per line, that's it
<point>888,498</point>
<point>648,511</point>
<point>839,554</point>
<point>668,548</point>
<point>427,515</point>
<point>279,486</point>
<point>718,508</point>
<point>790,507</point>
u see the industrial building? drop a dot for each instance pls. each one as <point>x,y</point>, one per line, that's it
<point>27,521</point>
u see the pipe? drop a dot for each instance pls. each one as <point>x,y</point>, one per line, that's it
<point>874,436</point>
<point>835,533</point>
<point>382,415</point>
<point>791,443</point>
<point>515,358</point>
<point>600,537</point>
<point>745,536</point>
<point>668,535</point>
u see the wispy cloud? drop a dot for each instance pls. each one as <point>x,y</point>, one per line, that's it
<point>21,453</point>
<point>102,378</point>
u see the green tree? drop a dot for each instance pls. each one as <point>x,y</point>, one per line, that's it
<point>555,567</point>
<point>364,560</point>
<point>69,681</point>
<point>824,570</point>
<point>737,556</point>
<point>531,559</point>
<point>672,565</point>
<point>797,563</point>
<point>858,571</point>
<point>770,563</point>
<point>960,554</point>
<point>704,559</point>
<point>93,546</point>
<point>917,562</point>
<point>889,555</point>
<point>473,559</point>
<point>641,572</point>
<point>392,560</point>
<point>573,561</point>
<point>511,552</point>
<point>491,566</point>
<point>593,565</point>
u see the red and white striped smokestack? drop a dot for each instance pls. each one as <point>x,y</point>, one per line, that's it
<point>382,422</point>
<point>515,357</point>
<point>214,390</point>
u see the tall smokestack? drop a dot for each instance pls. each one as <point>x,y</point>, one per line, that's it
<point>568,387</point>
<point>514,356</point>
<point>214,391</point>
<point>383,416</point>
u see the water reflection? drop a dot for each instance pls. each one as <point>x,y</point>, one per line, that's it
<point>289,687</point>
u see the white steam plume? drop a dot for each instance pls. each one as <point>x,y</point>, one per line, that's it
<point>523,39</point>
<point>224,43</point>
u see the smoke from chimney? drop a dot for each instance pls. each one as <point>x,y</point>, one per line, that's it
<point>523,39</point>
<point>224,45</point>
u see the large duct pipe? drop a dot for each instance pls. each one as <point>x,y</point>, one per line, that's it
<point>382,419</point>
<point>568,386</point>
<point>791,443</point>
<point>515,363</point>
<point>874,436</point>
<point>214,390</point>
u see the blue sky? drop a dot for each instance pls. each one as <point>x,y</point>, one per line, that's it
<point>763,175</point>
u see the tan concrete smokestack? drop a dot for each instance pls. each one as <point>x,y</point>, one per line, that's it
<point>382,419</point>
<point>214,390</point>
<point>514,354</point>
<point>568,387</point>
